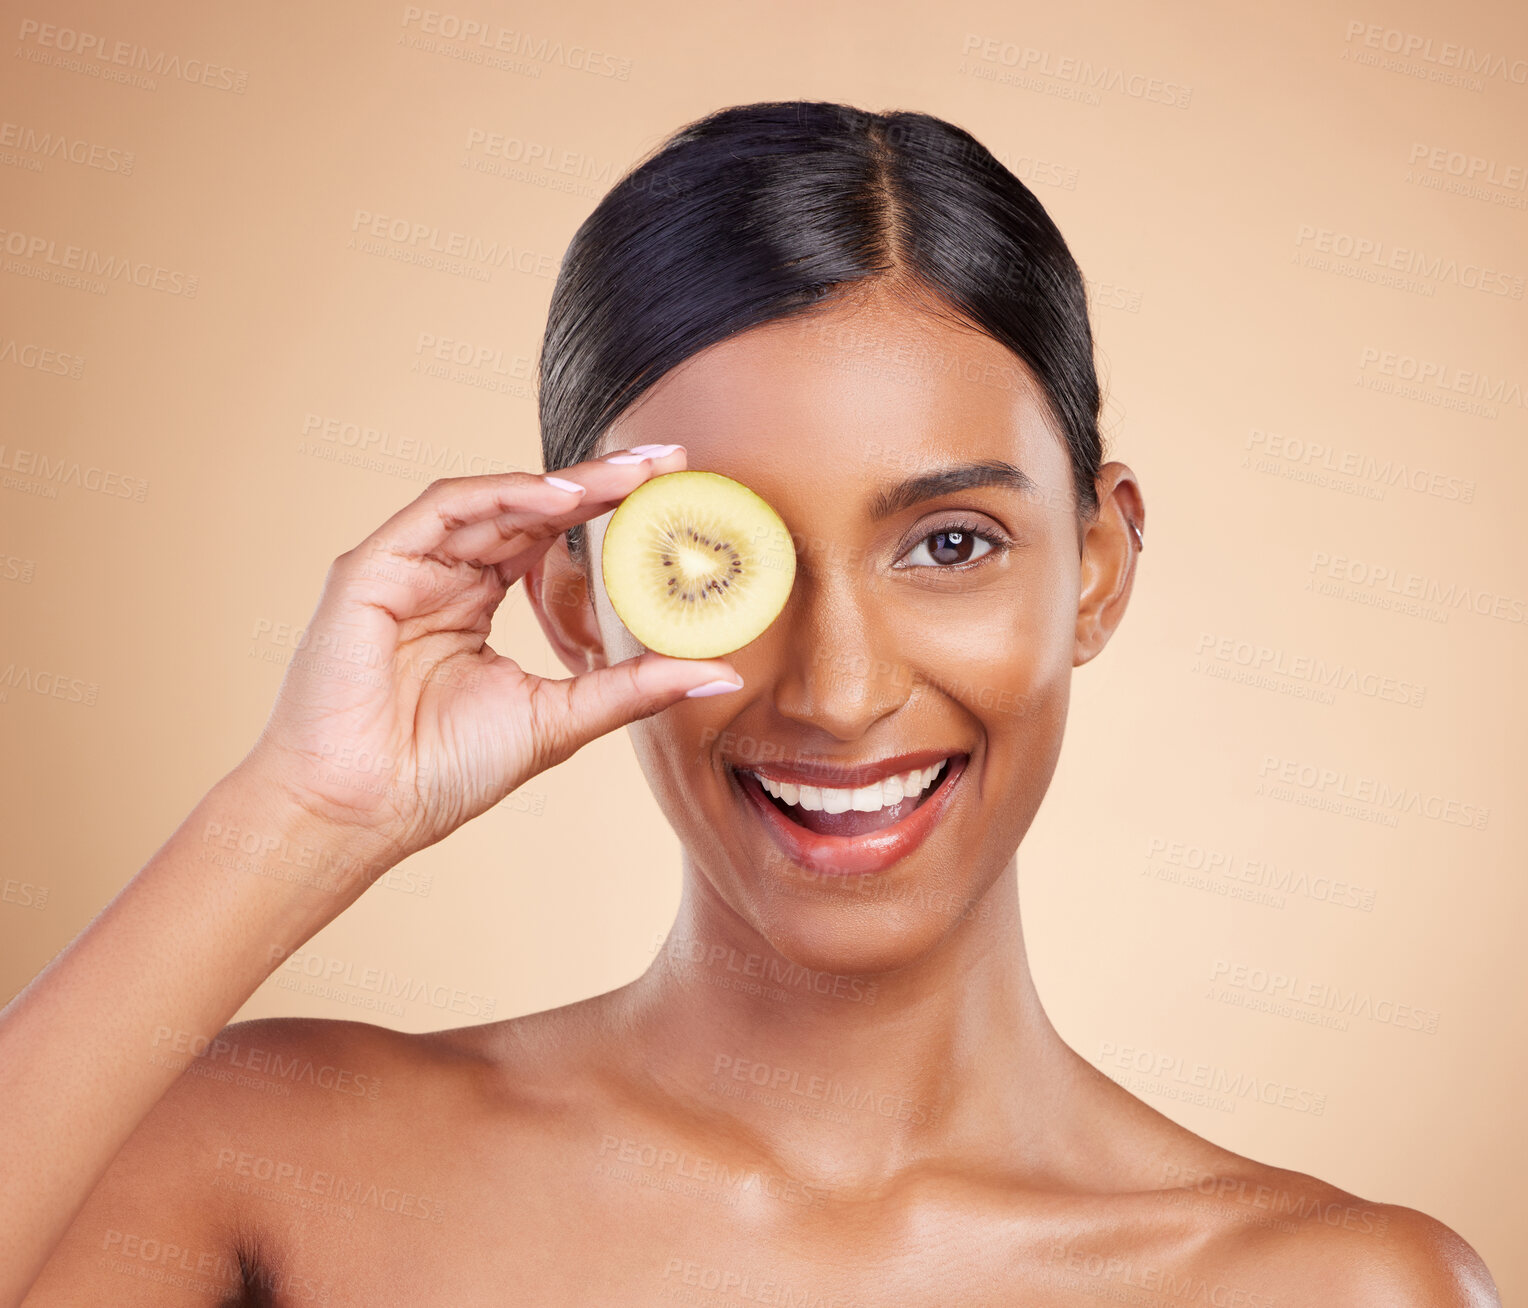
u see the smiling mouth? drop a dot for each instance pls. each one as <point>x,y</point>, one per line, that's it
<point>849,811</point>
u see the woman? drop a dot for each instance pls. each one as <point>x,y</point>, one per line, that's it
<point>835,1084</point>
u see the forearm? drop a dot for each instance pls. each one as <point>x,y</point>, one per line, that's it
<point>83,1049</point>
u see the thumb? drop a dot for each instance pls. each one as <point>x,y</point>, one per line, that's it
<point>572,712</point>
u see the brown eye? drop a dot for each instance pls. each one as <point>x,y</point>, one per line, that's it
<point>948,546</point>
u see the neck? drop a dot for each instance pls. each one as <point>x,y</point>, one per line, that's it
<point>849,1080</point>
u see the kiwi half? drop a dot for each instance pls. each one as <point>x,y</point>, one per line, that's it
<point>697,565</point>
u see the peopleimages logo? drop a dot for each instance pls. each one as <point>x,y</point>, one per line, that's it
<point>94,264</point>
<point>1276,661</point>
<point>284,1174</point>
<point>1338,783</point>
<point>1174,1069</point>
<point>1287,988</point>
<point>1295,456</point>
<point>38,474</point>
<point>381,982</point>
<point>1443,376</point>
<point>1382,578</point>
<point>70,149</point>
<point>1255,880</point>
<point>296,1069</point>
<point>827,1090</point>
<point>102,50</point>
<point>439,458</point>
<point>1469,167</point>
<point>1083,73</point>
<point>1370,257</point>
<point>474,39</point>
<point>427,239</point>
<point>1440,54</point>
<point>706,1171</point>
<point>38,358</point>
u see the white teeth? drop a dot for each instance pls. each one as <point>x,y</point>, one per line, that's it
<point>836,801</point>
<point>868,799</point>
<point>861,799</point>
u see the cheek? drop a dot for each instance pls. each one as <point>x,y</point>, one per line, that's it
<point>675,748</point>
<point>662,755</point>
<point>653,745</point>
<point>1007,648</point>
<point>619,643</point>
<point>673,758</point>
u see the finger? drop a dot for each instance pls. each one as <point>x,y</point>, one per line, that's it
<point>569,713</point>
<point>501,537</point>
<point>510,570</point>
<point>463,518</point>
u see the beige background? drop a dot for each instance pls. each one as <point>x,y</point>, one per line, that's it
<point>143,638</point>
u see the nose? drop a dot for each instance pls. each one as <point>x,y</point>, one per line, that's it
<point>839,667</point>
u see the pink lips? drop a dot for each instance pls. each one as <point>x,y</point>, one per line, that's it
<point>874,851</point>
<point>803,772</point>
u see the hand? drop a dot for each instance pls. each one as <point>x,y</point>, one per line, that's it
<point>397,723</point>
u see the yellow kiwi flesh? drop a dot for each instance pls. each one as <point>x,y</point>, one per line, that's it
<point>696,564</point>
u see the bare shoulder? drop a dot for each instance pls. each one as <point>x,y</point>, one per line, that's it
<point>1426,1262</point>
<point>1405,1259</point>
<point>268,1076</point>
<point>1282,1235</point>
<point>186,1206</point>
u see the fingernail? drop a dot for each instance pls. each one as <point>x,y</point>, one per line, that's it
<point>713,688</point>
<point>563,484</point>
<point>627,458</point>
<point>654,451</point>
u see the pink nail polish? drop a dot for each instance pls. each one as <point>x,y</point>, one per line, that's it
<point>654,451</point>
<point>564,485</point>
<point>627,458</point>
<point>713,688</point>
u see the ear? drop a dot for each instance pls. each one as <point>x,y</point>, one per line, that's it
<point>1110,547</point>
<point>559,595</point>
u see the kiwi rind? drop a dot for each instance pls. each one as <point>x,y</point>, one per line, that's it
<point>703,542</point>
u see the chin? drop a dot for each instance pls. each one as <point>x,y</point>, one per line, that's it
<point>854,924</point>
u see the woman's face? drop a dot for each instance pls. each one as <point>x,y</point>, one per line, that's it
<point>944,591</point>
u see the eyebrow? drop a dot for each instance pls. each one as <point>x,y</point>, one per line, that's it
<point>962,476</point>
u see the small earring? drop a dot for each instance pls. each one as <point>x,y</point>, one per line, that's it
<point>1139,543</point>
